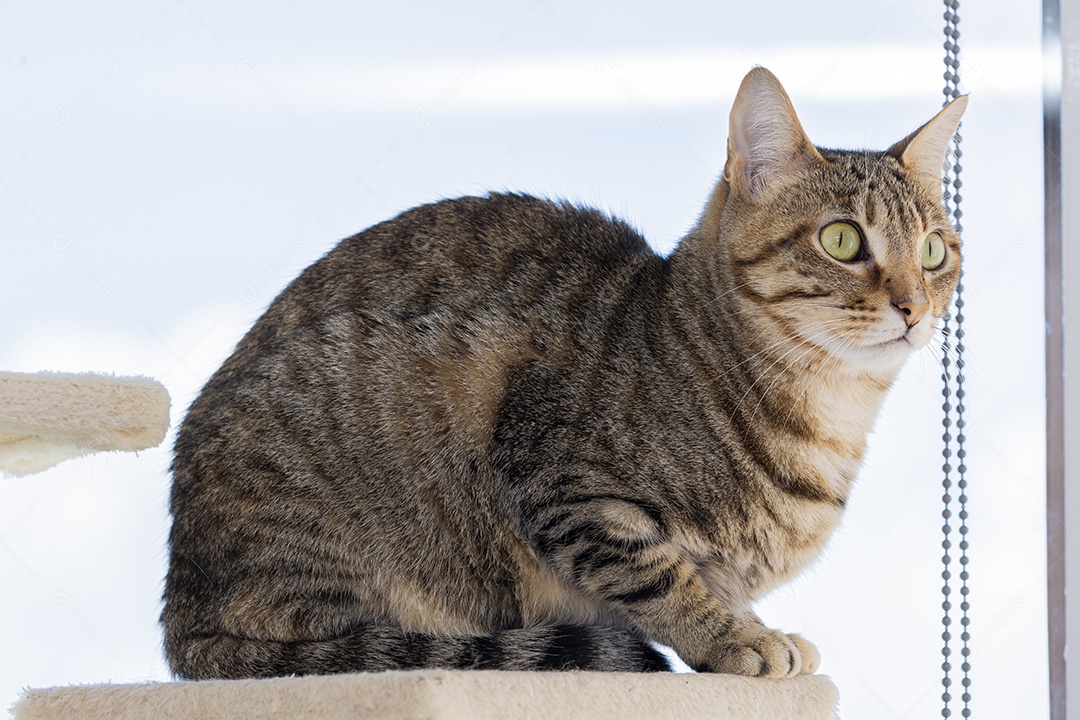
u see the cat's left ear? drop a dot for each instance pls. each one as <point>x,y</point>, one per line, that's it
<point>766,142</point>
<point>923,151</point>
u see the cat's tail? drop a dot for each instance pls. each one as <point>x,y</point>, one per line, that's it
<point>374,649</point>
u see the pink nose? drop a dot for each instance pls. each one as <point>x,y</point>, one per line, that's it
<point>913,310</point>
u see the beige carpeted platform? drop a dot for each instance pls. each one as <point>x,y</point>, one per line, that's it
<point>443,694</point>
<point>46,418</point>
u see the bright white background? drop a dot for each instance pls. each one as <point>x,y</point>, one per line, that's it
<point>167,167</point>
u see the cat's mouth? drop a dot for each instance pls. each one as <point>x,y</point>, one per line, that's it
<point>911,337</point>
<point>902,344</point>
<point>899,341</point>
<point>914,337</point>
<point>893,349</point>
<point>887,351</point>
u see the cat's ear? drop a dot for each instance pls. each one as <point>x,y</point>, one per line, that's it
<point>923,151</point>
<point>766,142</point>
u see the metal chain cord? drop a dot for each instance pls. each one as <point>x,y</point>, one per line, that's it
<point>954,388</point>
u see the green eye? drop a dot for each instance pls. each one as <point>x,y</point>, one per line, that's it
<point>933,252</point>
<point>842,240</point>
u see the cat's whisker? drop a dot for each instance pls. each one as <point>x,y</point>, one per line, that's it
<point>805,346</point>
<point>808,349</point>
<point>811,380</point>
<point>764,351</point>
<point>724,294</point>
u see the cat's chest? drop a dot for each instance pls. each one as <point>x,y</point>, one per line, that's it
<point>770,519</point>
<point>741,562</point>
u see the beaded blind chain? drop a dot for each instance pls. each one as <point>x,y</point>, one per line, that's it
<point>952,376</point>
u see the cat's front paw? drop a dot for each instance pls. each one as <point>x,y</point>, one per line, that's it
<point>811,658</point>
<point>761,652</point>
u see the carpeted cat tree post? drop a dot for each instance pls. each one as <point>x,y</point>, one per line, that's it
<point>48,417</point>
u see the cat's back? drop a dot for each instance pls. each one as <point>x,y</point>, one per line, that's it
<point>500,250</point>
<point>410,323</point>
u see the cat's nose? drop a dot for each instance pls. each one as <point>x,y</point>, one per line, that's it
<point>913,310</point>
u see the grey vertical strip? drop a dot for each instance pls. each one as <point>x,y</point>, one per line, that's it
<point>1055,369</point>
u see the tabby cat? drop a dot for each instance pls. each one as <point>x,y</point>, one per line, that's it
<point>501,432</point>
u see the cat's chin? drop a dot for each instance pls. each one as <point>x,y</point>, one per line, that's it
<point>880,350</point>
<point>887,356</point>
<point>878,358</point>
<point>883,353</point>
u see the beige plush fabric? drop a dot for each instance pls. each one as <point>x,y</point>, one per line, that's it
<point>445,695</point>
<point>49,417</point>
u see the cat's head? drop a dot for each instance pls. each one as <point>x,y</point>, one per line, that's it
<point>850,251</point>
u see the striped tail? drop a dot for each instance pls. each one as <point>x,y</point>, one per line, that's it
<point>374,649</point>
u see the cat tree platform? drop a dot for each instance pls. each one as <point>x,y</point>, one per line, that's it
<point>46,417</point>
<point>445,695</point>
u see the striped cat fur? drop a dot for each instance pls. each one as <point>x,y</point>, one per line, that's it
<point>502,432</point>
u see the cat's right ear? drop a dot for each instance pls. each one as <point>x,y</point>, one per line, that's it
<point>766,142</point>
<point>924,151</point>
